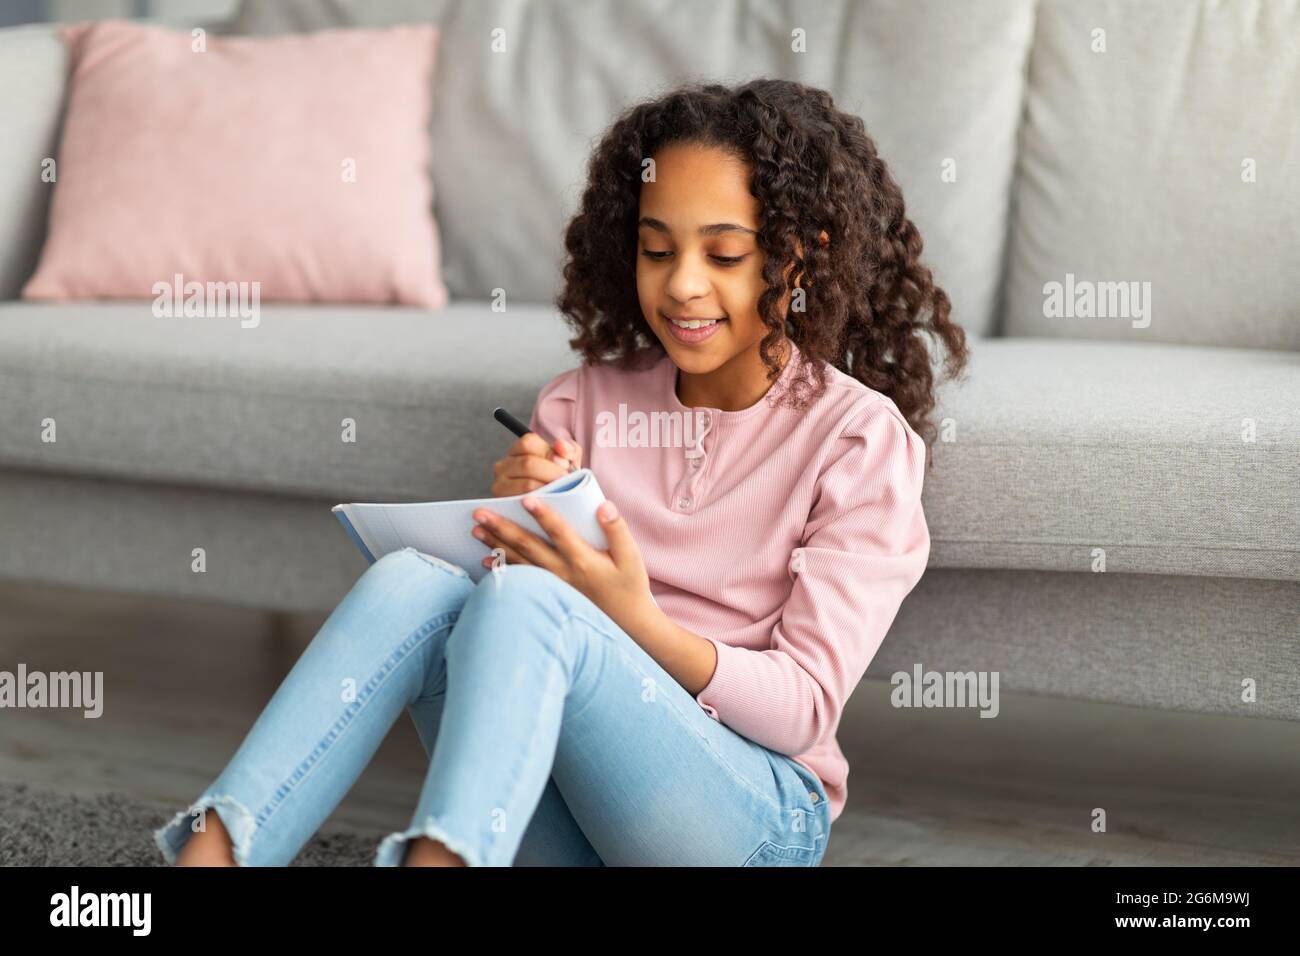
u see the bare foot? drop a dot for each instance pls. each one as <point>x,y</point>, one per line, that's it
<point>423,851</point>
<point>208,847</point>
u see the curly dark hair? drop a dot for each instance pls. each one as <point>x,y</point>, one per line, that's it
<point>814,168</point>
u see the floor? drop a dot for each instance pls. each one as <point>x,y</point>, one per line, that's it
<point>184,680</point>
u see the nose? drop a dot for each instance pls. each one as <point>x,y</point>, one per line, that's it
<point>687,279</point>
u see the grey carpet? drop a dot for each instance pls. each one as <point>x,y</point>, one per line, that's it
<point>46,828</point>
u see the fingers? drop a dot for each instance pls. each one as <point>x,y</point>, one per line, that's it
<point>508,489</point>
<point>567,450</point>
<point>527,468</point>
<point>520,474</point>
<point>510,555</point>
<point>525,546</point>
<point>564,450</point>
<point>529,444</point>
<point>622,547</point>
<point>490,540</point>
<point>531,463</point>
<point>567,541</point>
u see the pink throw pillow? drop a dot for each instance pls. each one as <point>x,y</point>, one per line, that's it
<point>300,162</point>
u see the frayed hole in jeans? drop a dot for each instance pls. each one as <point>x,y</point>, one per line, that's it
<point>392,851</point>
<point>240,826</point>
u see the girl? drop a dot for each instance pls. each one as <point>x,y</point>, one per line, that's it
<point>742,279</point>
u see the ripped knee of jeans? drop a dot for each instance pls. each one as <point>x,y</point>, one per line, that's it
<point>453,569</point>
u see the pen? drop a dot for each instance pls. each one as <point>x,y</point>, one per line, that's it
<point>516,426</point>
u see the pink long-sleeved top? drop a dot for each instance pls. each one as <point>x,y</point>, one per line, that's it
<point>788,539</point>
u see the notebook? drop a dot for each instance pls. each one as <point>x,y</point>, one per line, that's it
<point>442,528</point>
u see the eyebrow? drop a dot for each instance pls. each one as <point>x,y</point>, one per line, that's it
<point>717,229</point>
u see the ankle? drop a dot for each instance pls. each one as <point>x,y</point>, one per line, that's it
<point>208,847</point>
<point>423,851</point>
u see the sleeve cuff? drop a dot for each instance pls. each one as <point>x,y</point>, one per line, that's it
<point>718,690</point>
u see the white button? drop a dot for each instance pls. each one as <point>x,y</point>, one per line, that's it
<point>683,502</point>
<point>813,794</point>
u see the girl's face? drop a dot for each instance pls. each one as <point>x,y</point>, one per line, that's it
<point>698,258</point>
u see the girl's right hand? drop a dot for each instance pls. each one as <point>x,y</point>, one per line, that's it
<point>531,463</point>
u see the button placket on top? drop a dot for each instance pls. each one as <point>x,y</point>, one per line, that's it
<point>685,492</point>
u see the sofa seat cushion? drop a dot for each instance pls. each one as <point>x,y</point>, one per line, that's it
<point>206,401</point>
<point>1172,459</point>
<point>1048,449</point>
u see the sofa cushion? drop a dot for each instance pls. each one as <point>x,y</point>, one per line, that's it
<point>512,131</point>
<point>1134,168</point>
<point>1054,448</point>
<point>1172,459</point>
<point>208,401</point>
<point>156,133</point>
<point>33,88</point>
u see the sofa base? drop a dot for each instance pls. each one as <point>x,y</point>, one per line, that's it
<point>1180,642</point>
<point>1148,640</point>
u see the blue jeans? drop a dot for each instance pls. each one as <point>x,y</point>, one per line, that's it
<point>554,738</point>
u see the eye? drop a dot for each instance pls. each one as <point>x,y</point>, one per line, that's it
<point>721,260</point>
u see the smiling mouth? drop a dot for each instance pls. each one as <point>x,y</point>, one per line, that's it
<point>693,323</point>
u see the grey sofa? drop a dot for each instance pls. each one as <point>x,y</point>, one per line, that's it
<point>1113,504</point>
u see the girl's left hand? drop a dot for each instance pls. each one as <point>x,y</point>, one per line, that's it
<point>615,580</point>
